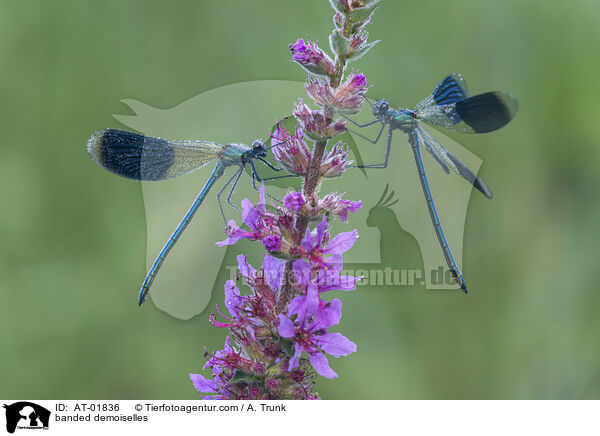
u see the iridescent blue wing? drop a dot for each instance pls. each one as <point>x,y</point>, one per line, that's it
<point>450,107</point>
<point>450,90</point>
<point>446,160</point>
<point>142,157</point>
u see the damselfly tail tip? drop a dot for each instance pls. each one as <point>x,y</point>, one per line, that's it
<point>459,280</point>
<point>481,187</point>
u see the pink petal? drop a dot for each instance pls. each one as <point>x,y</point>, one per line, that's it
<point>286,327</point>
<point>203,384</point>
<point>336,344</point>
<point>233,300</point>
<point>302,272</point>
<point>273,270</point>
<point>341,243</point>
<point>321,365</point>
<point>245,268</point>
<point>249,214</point>
<point>296,304</point>
<point>321,227</point>
<point>331,313</point>
<point>232,239</point>
<point>295,360</point>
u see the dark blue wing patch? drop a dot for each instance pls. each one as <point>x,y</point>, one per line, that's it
<point>486,112</point>
<point>449,91</point>
<point>131,155</point>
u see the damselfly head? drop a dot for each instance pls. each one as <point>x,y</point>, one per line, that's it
<point>259,149</point>
<point>380,108</point>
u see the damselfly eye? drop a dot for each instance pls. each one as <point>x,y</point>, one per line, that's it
<point>380,107</point>
<point>259,148</point>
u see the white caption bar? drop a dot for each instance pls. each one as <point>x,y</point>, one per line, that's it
<point>301,417</point>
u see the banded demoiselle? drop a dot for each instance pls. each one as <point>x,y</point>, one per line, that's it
<point>145,158</point>
<point>449,107</point>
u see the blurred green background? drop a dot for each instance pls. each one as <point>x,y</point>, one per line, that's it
<point>72,237</point>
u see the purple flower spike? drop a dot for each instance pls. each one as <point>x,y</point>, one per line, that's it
<point>278,316</point>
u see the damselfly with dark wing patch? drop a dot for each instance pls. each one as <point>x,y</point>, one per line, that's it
<point>448,107</point>
<point>145,158</point>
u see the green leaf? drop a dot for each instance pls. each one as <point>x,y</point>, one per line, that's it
<point>339,44</point>
<point>359,52</point>
<point>315,69</point>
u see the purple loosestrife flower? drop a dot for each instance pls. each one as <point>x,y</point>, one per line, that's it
<point>317,245</point>
<point>335,161</point>
<point>274,230</point>
<point>332,204</point>
<point>242,308</point>
<point>257,367</point>
<point>339,207</point>
<point>346,99</point>
<point>225,362</point>
<point>326,279</point>
<point>315,124</point>
<point>291,150</point>
<point>328,312</point>
<point>309,333</point>
<point>314,60</point>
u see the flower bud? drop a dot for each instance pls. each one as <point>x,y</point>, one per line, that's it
<point>272,243</point>
<point>314,60</point>
<point>335,161</point>
<point>293,201</point>
<point>315,124</point>
<point>359,45</point>
<point>346,99</point>
<point>291,150</point>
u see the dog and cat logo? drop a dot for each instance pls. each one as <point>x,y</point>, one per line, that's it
<point>26,415</point>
